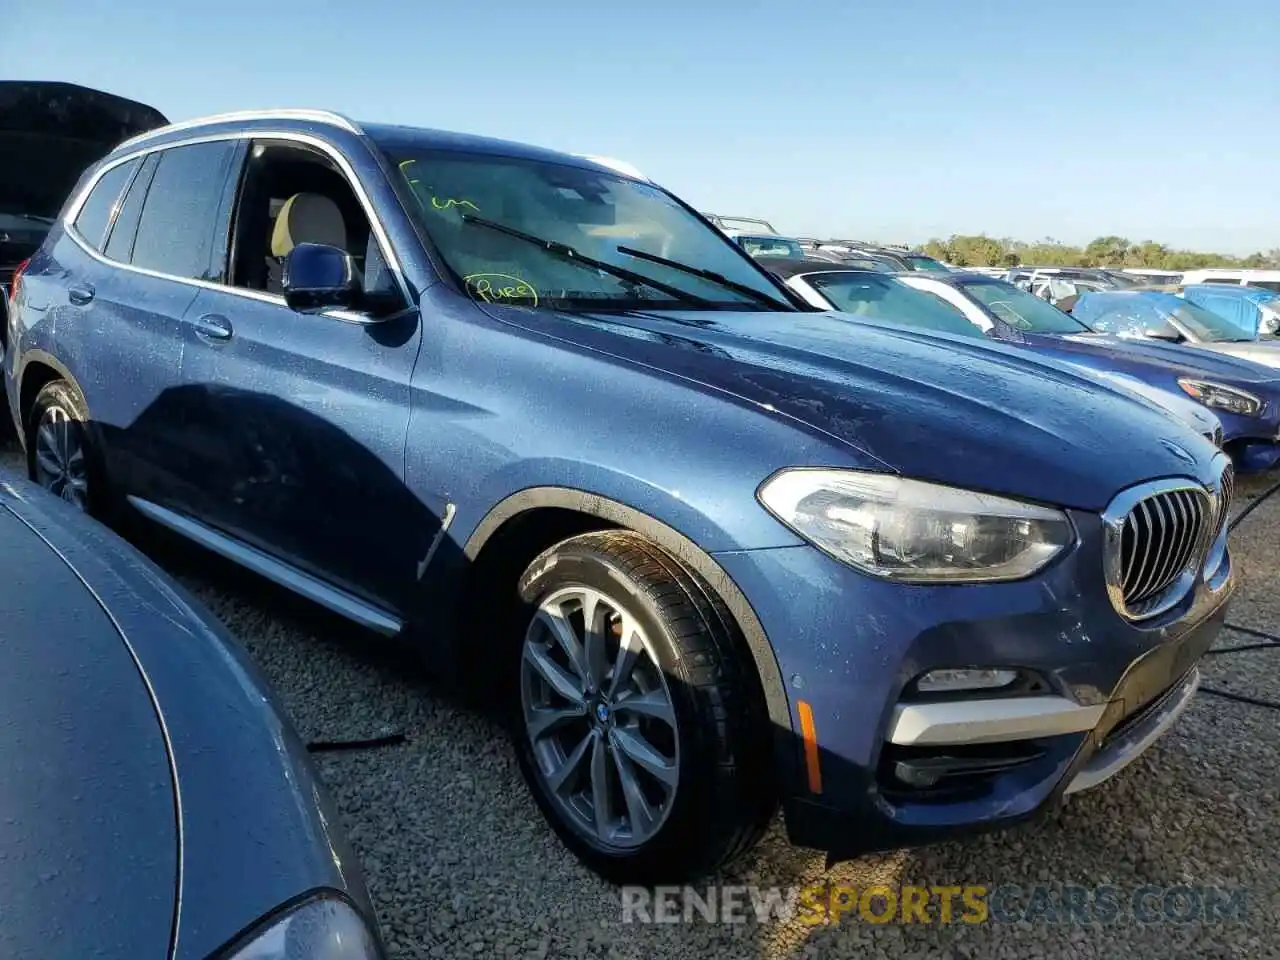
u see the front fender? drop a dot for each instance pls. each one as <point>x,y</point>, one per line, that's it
<point>692,557</point>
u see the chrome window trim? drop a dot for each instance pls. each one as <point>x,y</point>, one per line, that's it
<point>241,116</point>
<point>293,136</point>
<point>1207,557</point>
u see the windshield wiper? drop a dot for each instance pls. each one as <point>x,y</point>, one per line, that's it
<point>566,252</point>
<point>758,296</point>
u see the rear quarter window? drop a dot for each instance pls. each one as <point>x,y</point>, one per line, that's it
<point>125,228</point>
<point>99,208</point>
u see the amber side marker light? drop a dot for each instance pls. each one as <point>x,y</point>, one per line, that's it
<point>810,735</point>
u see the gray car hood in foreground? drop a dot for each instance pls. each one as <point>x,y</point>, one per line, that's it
<point>105,658</point>
<point>88,834</point>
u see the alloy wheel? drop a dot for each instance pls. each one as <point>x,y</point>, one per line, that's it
<point>60,463</point>
<point>599,716</point>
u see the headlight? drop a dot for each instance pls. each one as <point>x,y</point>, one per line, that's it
<point>914,531</point>
<point>322,929</point>
<point>1222,397</point>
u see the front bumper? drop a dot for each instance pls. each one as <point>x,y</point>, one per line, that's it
<point>1253,456</point>
<point>1107,689</point>
<point>1129,741</point>
<point>1252,442</point>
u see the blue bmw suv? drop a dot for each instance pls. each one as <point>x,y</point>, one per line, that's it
<point>710,551</point>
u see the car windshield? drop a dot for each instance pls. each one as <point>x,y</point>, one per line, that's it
<point>536,233</point>
<point>771,247</point>
<point>1123,281</point>
<point>1205,325</point>
<point>884,298</point>
<point>1020,309</point>
<point>927,264</point>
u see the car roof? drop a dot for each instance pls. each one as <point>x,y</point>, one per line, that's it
<point>790,267</point>
<point>1168,301</point>
<point>394,136</point>
<point>1230,290</point>
<point>386,135</point>
<point>956,278</point>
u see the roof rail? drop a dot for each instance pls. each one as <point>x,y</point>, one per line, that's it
<point>317,116</point>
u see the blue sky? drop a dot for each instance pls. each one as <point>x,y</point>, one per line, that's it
<point>894,121</point>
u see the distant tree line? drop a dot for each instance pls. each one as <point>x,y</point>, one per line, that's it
<point>983,251</point>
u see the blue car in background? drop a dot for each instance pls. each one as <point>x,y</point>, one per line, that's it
<point>1228,330</point>
<point>706,550</point>
<point>1253,310</point>
<point>871,297</point>
<point>1244,395</point>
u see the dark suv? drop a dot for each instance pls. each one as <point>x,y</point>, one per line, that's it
<point>709,549</point>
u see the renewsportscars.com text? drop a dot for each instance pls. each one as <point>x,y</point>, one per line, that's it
<point>819,904</point>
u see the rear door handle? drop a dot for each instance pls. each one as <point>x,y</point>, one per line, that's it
<point>80,293</point>
<point>213,326</point>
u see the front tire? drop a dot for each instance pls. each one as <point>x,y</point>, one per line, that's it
<point>640,725</point>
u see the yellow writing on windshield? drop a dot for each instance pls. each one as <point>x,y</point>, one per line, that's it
<point>500,287</point>
<point>451,202</point>
<point>447,203</point>
<point>404,170</point>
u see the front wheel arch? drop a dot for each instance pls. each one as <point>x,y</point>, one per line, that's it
<point>602,512</point>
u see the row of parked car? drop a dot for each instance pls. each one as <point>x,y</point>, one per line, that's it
<point>910,557</point>
<point>1119,325</point>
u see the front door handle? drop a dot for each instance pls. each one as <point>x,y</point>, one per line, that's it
<point>213,326</point>
<point>80,293</point>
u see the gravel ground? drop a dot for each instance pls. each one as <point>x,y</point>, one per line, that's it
<point>460,862</point>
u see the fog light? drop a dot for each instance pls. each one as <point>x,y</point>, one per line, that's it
<point>950,681</point>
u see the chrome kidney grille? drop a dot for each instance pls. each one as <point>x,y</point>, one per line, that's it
<point>1158,537</point>
<point>1227,490</point>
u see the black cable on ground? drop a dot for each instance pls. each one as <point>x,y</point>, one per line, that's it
<point>1240,698</point>
<point>1269,640</point>
<point>1243,648</point>
<point>1250,631</point>
<point>372,743</point>
<point>1253,505</point>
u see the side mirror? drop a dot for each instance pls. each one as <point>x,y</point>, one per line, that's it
<point>319,277</point>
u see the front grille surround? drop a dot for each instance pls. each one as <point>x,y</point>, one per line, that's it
<point>1162,537</point>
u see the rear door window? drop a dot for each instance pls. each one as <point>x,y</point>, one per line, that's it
<point>99,208</point>
<point>181,219</point>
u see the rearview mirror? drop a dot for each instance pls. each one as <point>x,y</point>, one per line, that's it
<point>318,277</point>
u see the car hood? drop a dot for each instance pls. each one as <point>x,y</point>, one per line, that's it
<point>89,862</point>
<point>949,409</point>
<point>257,828</point>
<point>1265,352</point>
<point>1167,358</point>
<point>1196,416</point>
<point>49,134</point>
